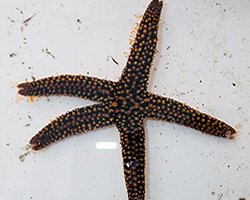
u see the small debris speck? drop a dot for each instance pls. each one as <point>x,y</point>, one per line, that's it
<point>33,78</point>
<point>109,56</point>
<point>49,53</point>
<point>25,21</point>
<point>220,196</point>
<point>12,55</point>
<point>27,149</point>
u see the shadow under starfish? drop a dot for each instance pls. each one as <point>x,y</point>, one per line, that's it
<point>125,103</point>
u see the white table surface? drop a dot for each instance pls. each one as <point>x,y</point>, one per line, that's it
<point>202,59</point>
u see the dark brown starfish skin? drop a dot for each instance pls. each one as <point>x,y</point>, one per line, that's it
<point>125,103</point>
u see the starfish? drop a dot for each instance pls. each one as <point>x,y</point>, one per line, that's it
<point>125,104</point>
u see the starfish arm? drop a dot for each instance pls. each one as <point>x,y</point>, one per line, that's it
<point>69,85</point>
<point>167,109</point>
<point>136,73</point>
<point>77,121</point>
<point>132,140</point>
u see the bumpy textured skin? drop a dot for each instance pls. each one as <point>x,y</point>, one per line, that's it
<point>77,121</point>
<point>69,85</point>
<point>125,103</point>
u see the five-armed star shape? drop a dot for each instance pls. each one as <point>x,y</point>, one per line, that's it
<point>125,103</point>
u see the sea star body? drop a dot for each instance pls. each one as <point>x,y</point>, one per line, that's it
<point>125,103</point>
